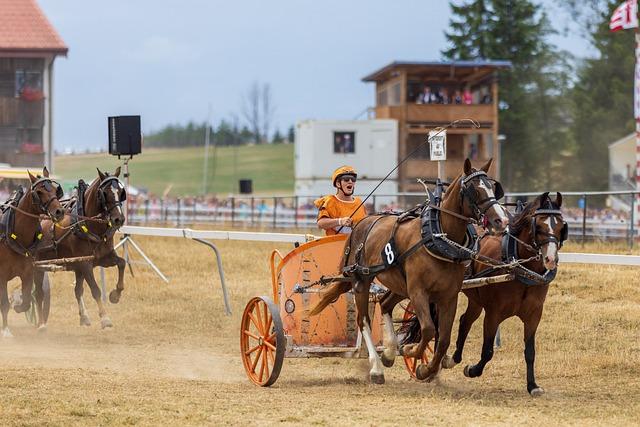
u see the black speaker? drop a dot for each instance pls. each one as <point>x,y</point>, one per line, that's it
<point>125,137</point>
<point>246,186</point>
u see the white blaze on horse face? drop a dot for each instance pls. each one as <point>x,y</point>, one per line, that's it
<point>116,197</point>
<point>550,250</point>
<point>497,208</point>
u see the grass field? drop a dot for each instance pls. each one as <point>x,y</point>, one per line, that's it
<point>173,358</point>
<point>269,166</point>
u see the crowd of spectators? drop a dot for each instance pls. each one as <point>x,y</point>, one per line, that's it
<point>443,95</point>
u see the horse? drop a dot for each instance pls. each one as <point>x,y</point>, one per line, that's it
<point>428,269</point>
<point>20,237</point>
<point>87,230</point>
<point>539,232</point>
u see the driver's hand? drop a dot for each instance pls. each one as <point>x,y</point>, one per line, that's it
<point>346,222</point>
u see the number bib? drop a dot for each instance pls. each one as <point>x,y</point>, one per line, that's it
<point>389,256</point>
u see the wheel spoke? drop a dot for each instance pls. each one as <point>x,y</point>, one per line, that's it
<point>271,346</point>
<point>272,357</point>
<point>248,352</point>
<point>268,323</point>
<point>247,332</point>
<point>258,318</point>
<point>255,361</point>
<point>257,323</point>
<point>264,360</point>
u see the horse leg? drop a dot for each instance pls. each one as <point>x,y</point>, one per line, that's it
<point>4,307</point>
<point>390,339</point>
<point>446,316</point>
<point>82,308</point>
<point>87,271</point>
<point>466,321</point>
<point>376,374</point>
<point>490,327</point>
<point>530,328</point>
<point>420,302</point>
<point>38,280</point>
<point>27,287</point>
<point>110,260</point>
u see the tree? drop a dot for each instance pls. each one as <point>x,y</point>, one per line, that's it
<point>258,110</point>
<point>277,137</point>
<point>291,135</point>
<point>603,99</point>
<point>516,30</point>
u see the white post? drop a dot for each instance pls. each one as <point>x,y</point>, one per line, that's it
<point>206,152</point>
<point>636,103</point>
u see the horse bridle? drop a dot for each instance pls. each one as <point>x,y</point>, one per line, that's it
<point>471,194</point>
<point>102,199</point>
<point>548,237</point>
<point>47,183</point>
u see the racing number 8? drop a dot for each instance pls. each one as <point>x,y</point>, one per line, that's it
<point>388,251</point>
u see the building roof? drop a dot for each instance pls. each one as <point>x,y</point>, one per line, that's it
<point>24,28</point>
<point>450,69</point>
<point>631,138</point>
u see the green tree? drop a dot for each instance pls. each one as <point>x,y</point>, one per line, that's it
<point>291,135</point>
<point>530,117</point>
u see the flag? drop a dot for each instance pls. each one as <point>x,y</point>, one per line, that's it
<point>625,16</point>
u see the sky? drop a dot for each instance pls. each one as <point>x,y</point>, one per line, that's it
<point>169,60</point>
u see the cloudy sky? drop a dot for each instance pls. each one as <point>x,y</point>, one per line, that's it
<point>168,60</point>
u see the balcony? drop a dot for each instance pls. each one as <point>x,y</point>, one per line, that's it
<point>438,114</point>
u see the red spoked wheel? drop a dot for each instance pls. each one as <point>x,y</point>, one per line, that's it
<point>262,341</point>
<point>412,363</point>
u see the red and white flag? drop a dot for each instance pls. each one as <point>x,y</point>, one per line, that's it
<point>625,16</point>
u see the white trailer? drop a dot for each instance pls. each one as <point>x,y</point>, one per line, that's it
<point>371,146</point>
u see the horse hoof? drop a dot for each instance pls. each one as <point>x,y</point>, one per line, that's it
<point>376,378</point>
<point>6,333</point>
<point>22,307</point>
<point>467,371</point>
<point>537,392</point>
<point>42,329</point>
<point>387,361</point>
<point>422,372</point>
<point>448,362</point>
<point>105,322</point>
<point>114,296</point>
<point>84,320</point>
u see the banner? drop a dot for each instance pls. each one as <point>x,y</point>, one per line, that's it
<point>625,16</point>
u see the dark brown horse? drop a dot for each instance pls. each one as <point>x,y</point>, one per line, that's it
<point>20,237</point>
<point>540,230</point>
<point>86,234</point>
<point>421,275</point>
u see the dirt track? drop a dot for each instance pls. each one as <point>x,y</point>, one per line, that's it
<point>172,358</point>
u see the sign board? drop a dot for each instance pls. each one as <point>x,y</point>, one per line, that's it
<point>438,144</point>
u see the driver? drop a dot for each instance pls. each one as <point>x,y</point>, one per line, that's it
<point>340,211</point>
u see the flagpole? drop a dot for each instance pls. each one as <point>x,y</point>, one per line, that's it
<point>636,113</point>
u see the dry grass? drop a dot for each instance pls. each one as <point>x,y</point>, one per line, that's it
<point>173,358</point>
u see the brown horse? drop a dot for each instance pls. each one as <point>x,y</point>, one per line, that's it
<point>20,236</point>
<point>417,273</point>
<point>86,234</point>
<point>540,230</point>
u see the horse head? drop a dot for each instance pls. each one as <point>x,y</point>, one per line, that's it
<point>46,195</point>
<point>111,194</point>
<point>548,228</point>
<point>480,194</point>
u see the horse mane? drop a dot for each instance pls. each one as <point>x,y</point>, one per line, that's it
<point>522,220</point>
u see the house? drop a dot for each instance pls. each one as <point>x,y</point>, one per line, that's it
<point>423,96</point>
<point>28,47</point>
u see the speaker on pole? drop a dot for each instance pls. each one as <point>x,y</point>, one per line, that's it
<point>246,186</point>
<point>125,136</point>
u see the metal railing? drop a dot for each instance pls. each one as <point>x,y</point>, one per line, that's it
<point>585,212</point>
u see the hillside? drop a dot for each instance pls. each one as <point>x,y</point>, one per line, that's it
<point>269,166</point>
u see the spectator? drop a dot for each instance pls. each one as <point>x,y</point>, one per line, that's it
<point>426,97</point>
<point>442,97</point>
<point>457,97</point>
<point>467,98</point>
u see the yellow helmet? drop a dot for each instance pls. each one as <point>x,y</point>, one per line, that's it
<point>341,171</point>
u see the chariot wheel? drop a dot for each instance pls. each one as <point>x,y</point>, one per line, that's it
<point>412,363</point>
<point>262,341</point>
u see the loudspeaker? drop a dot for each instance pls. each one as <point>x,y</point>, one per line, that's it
<point>246,186</point>
<point>125,137</point>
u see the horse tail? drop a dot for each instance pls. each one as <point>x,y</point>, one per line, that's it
<point>330,295</point>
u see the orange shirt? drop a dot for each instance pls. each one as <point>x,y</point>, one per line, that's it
<point>332,207</point>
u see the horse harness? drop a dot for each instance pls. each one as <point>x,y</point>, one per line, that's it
<point>433,239</point>
<point>76,205</point>
<point>8,218</point>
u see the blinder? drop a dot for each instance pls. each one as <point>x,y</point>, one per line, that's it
<point>48,184</point>
<point>470,192</point>
<point>564,232</point>
<point>106,183</point>
<point>498,191</point>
